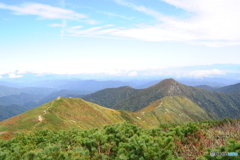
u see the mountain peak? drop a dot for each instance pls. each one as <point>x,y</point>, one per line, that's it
<point>166,82</point>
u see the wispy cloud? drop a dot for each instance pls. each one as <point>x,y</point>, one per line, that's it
<point>101,31</point>
<point>47,12</point>
<point>212,23</point>
<point>114,15</point>
<point>143,9</point>
<point>43,11</point>
<point>56,25</point>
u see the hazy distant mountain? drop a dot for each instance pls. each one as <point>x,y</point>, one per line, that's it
<point>235,88</point>
<point>92,85</point>
<point>11,110</point>
<point>20,99</point>
<point>44,91</point>
<point>148,84</point>
<point>207,87</point>
<point>192,82</point>
<point>88,86</point>
<point>61,93</point>
<point>110,96</point>
<point>6,91</point>
<point>221,104</point>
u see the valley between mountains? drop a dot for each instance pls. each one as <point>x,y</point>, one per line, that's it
<point>166,101</point>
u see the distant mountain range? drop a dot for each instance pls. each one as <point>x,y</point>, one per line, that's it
<point>125,98</point>
<point>219,103</point>
<point>166,101</point>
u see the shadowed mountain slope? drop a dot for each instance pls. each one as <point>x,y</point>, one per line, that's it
<point>20,99</point>
<point>221,104</point>
<point>11,110</point>
<point>230,89</point>
<point>110,96</point>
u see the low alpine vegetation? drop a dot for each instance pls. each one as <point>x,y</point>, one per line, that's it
<point>127,141</point>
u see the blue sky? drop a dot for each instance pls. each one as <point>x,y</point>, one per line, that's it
<point>194,38</point>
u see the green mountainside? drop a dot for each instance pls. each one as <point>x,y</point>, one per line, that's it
<point>66,113</point>
<point>230,89</point>
<point>63,113</point>
<point>218,103</point>
<point>235,88</point>
<point>110,96</point>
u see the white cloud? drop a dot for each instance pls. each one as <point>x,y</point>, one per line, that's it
<point>43,11</point>
<point>212,23</point>
<point>114,15</point>
<point>205,73</point>
<point>46,12</point>
<point>131,74</point>
<point>143,9</point>
<point>13,75</point>
<point>56,25</point>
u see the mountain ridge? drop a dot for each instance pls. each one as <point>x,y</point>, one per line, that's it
<point>221,104</point>
<point>66,113</point>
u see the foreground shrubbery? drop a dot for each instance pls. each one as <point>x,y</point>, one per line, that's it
<point>127,141</point>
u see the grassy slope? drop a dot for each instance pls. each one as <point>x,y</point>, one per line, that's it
<point>178,109</point>
<point>65,113</point>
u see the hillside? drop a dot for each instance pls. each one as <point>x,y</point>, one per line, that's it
<point>220,104</point>
<point>178,109</point>
<point>230,89</point>
<point>63,113</point>
<point>174,109</point>
<point>66,113</point>
<point>110,96</point>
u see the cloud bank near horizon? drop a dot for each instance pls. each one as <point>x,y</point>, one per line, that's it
<point>181,72</point>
